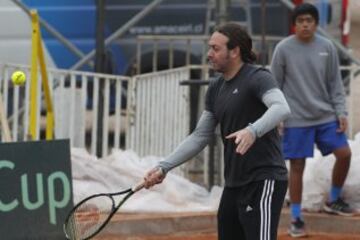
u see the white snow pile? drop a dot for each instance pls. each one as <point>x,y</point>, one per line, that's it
<point>123,169</point>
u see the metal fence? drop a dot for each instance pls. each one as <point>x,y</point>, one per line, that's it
<point>159,112</point>
<point>148,113</point>
<point>193,47</point>
<point>75,97</point>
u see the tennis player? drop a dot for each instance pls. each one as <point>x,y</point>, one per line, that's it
<point>248,105</point>
<point>307,69</point>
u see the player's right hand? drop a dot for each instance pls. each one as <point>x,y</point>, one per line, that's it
<point>244,139</point>
<point>153,177</point>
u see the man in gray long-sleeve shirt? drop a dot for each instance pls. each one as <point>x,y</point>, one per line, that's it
<point>248,105</point>
<point>306,67</point>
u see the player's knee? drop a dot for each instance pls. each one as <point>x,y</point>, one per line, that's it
<point>343,154</point>
<point>297,166</point>
<point>348,154</point>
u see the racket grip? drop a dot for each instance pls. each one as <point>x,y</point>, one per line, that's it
<point>138,186</point>
<point>158,173</point>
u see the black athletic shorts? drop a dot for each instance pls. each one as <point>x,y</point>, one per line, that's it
<point>251,212</point>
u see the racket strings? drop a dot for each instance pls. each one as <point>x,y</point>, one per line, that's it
<point>89,217</point>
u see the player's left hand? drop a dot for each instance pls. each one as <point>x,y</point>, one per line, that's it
<point>244,140</point>
<point>343,124</point>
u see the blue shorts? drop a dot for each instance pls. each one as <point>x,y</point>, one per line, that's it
<point>298,142</point>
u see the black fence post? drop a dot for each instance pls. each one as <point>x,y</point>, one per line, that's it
<point>99,67</point>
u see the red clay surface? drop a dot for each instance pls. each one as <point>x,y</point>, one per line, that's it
<point>209,235</point>
<point>212,236</point>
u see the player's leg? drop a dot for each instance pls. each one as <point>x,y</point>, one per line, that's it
<point>296,173</point>
<point>297,226</point>
<point>341,168</point>
<point>298,144</point>
<point>260,209</point>
<point>330,141</point>
<point>229,227</point>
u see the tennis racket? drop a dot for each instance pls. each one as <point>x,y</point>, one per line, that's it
<point>92,214</point>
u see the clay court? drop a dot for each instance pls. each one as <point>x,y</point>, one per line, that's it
<point>202,226</point>
<point>212,236</point>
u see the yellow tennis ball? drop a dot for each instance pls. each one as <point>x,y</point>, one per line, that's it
<point>18,78</point>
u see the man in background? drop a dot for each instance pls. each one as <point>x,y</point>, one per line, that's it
<point>307,70</point>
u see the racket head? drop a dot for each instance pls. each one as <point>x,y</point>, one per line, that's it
<point>91,215</point>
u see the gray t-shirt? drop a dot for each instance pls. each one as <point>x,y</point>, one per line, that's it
<point>236,103</point>
<point>309,76</point>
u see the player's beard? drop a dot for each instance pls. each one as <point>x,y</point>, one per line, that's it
<point>222,65</point>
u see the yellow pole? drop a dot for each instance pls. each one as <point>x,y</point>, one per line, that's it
<point>47,93</point>
<point>33,74</point>
<point>38,55</point>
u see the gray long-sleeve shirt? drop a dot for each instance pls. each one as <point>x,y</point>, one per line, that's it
<point>309,76</point>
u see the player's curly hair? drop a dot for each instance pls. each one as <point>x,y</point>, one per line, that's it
<point>238,37</point>
<point>305,8</point>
